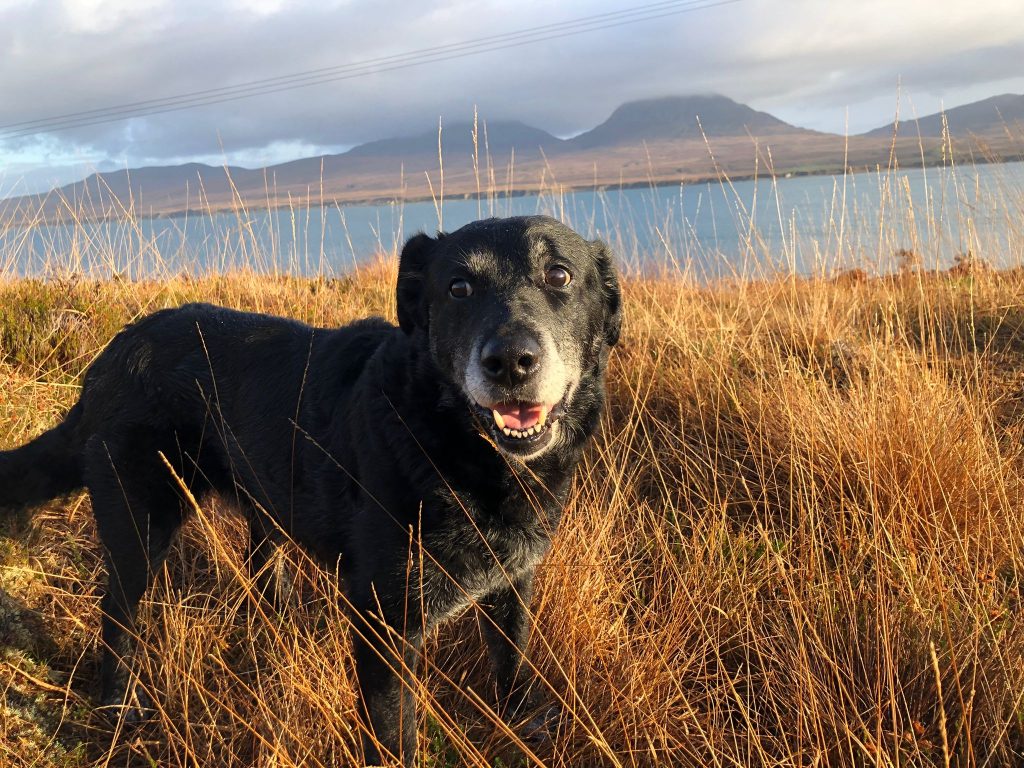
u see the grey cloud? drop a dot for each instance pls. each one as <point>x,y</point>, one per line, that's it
<point>802,59</point>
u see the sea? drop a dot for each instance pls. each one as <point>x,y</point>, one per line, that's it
<point>876,221</point>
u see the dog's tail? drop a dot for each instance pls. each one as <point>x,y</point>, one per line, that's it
<point>48,467</point>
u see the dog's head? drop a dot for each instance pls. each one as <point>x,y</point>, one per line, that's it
<point>516,313</point>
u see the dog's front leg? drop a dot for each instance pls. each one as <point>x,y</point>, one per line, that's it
<point>384,668</point>
<point>506,625</point>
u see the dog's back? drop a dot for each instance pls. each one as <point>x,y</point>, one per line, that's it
<point>187,373</point>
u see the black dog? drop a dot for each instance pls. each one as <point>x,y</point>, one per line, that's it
<point>428,464</point>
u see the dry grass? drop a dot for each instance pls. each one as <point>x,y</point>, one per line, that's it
<point>798,541</point>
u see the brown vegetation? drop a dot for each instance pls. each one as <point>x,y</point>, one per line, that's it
<point>797,541</point>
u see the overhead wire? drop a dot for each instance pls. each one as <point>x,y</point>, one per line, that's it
<point>364,68</point>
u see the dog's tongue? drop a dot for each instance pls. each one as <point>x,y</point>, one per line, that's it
<point>519,416</point>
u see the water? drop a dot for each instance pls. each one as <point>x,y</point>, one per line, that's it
<point>803,224</point>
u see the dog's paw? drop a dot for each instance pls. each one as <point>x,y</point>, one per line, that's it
<point>127,713</point>
<point>274,593</point>
<point>542,728</point>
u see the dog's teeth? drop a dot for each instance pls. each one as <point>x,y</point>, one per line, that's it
<point>543,415</point>
<point>498,419</point>
<point>516,433</point>
<point>507,431</point>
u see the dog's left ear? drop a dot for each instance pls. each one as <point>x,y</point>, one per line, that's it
<point>611,291</point>
<point>411,265</point>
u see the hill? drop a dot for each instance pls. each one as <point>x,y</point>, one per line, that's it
<point>680,117</point>
<point>152,187</point>
<point>501,137</point>
<point>988,117</point>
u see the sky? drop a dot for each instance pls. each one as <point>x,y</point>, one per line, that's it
<point>831,65</point>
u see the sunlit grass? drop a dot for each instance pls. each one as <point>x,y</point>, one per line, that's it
<point>798,540</point>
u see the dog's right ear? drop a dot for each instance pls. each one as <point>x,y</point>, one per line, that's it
<point>612,292</point>
<point>411,266</point>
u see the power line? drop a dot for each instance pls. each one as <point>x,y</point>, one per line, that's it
<point>378,65</point>
<point>349,71</point>
<point>327,71</point>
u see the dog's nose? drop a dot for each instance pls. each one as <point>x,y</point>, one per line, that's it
<point>510,361</point>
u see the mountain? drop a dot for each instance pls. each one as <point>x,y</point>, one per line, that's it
<point>501,137</point>
<point>365,172</point>
<point>680,117</point>
<point>987,117</point>
<point>653,141</point>
<point>145,189</point>
<point>418,153</point>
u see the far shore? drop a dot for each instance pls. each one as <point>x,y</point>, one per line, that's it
<point>69,214</point>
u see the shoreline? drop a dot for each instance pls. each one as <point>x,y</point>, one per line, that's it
<point>269,205</point>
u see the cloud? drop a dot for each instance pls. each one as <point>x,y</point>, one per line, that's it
<point>92,17</point>
<point>804,60</point>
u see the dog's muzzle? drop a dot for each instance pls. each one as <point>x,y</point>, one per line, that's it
<point>518,382</point>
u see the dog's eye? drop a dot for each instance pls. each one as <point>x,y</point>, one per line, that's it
<point>557,277</point>
<point>460,289</point>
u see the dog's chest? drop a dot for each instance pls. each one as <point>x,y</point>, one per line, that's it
<point>475,551</point>
<point>474,555</point>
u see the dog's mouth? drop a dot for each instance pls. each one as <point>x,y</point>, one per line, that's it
<point>520,426</point>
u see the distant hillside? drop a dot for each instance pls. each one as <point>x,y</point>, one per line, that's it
<point>654,141</point>
<point>418,153</point>
<point>982,118</point>
<point>153,187</point>
<point>367,172</point>
<point>501,137</point>
<point>680,117</point>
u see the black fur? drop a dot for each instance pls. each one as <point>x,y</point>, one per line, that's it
<point>360,443</point>
<point>47,467</point>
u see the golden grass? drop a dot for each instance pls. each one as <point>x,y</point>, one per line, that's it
<point>797,541</point>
